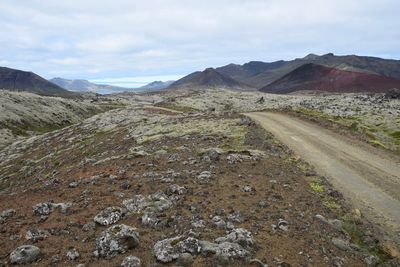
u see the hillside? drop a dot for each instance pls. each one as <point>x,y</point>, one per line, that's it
<point>17,80</point>
<point>208,78</point>
<point>321,78</point>
<point>84,85</point>
<point>24,114</point>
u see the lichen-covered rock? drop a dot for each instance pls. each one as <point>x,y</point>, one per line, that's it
<point>240,236</point>
<point>170,249</point>
<point>6,214</point>
<point>25,254</point>
<point>109,215</point>
<point>224,252</point>
<point>131,261</point>
<point>150,219</point>
<point>35,235</point>
<point>218,222</point>
<point>156,202</point>
<point>204,177</point>
<point>116,239</point>
<point>73,254</point>
<point>176,189</point>
<point>43,209</point>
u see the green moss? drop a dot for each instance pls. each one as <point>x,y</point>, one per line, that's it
<point>378,143</point>
<point>395,135</point>
<point>330,203</point>
<point>176,107</point>
<point>317,187</point>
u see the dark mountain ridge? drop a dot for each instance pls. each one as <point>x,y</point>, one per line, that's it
<point>18,80</point>
<point>207,79</point>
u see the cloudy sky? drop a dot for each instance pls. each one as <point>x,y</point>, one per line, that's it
<point>128,41</point>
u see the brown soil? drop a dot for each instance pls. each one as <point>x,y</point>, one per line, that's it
<point>279,179</point>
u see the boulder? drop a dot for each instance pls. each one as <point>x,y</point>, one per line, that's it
<point>25,254</point>
<point>116,239</point>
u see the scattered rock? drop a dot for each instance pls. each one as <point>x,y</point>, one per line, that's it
<point>73,254</point>
<point>6,214</point>
<point>176,189</point>
<point>43,209</point>
<point>168,250</point>
<point>73,184</point>
<point>211,155</point>
<point>116,239</point>
<point>25,254</point>
<point>109,216</point>
<point>247,189</point>
<point>35,235</point>
<point>240,236</point>
<point>156,202</point>
<point>131,261</point>
<point>204,177</point>
<point>218,222</point>
<point>150,219</point>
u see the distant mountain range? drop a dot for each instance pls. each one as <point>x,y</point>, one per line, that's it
<point>261,74</point>
<point>323,73</point>
<point>328,72</point>
<point>85,85</point>
<point>156,85</point>
<point>18,80</point>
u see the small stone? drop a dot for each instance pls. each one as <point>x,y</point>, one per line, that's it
<point>25,254</point>
<point>73,184</point>
<point>263,204</point>
<point>6,214</point>
<point>218,222</point>
<point>73,254</point>
<point>89,227</point>
<point>283,225</point>
<point>43,209</point>
<point>35,235</point>
<point>176,189</point>
<point>131,261</point>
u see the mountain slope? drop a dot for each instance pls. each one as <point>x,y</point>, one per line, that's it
<point>17,80</point>
<point>321,78</point>
<point>207,79</point>
<point>84,85</point>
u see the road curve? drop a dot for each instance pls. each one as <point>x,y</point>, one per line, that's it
<point>364,174</point>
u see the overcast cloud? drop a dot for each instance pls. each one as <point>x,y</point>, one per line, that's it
<point>112,40</point>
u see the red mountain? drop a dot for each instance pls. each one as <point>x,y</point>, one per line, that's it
<point>321,78</point>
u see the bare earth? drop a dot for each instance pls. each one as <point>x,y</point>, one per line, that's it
<point>365,175</point>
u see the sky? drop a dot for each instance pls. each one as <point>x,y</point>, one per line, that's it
<point>132,42</point>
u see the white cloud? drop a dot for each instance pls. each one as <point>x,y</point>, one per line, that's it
<point>92,39</point>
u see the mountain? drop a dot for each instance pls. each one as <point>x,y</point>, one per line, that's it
<point>84,85</point>
<point>18,80</point>
<point>207,79</point>
<point>156,85</point>
<point>259,74</point>
<point>316,77</point>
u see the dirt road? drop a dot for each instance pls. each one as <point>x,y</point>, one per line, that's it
<point>364,174</point>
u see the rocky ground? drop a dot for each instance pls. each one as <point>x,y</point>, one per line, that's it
<point>374,117</point>
<point>163,188</point>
